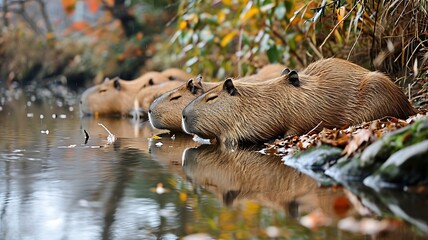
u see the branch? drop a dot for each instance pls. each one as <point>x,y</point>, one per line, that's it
<point>45,16</point>
<point>5,9</point>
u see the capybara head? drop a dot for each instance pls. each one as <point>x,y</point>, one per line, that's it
<point>328,93</point>
<point>175,74</point>
<point>115,97</point>
<point>147,95</point>
<point>226,110</point>
<point>165,111</point>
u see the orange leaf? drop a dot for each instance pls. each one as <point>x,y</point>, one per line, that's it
<point>69,6</point>
<point>93,5</point>
<point>80,26</point>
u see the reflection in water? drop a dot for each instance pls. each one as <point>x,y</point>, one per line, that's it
<point>411,207</point>
<point>54,186</point>
<point>245,175</point>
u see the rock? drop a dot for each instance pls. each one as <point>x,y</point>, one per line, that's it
<point>379,152</point>
<point>348,170</point>
<point>407,167</point>
<point>374,156</point>
<point>316,158</point>
<point>314,161</point>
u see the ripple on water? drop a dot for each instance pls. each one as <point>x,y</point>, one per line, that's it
<point>20,154</point>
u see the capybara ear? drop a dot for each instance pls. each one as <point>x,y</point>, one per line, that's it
<point>293,77</point>
<point>106,79</point>
<point>229,87</point>
<point>171,78</point>
<point>229,197</point>
<point>116,84</point>
<point>189,84</point>
<point>151,82</point>
<point>198,81</point>
<point>285,71</point>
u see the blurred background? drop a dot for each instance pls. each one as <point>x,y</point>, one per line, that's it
<point>80,42</point>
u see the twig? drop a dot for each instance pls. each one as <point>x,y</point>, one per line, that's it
<point>48,24</point>
<point>313,129</point>
<point>110,138</point>
<point>338,24</point>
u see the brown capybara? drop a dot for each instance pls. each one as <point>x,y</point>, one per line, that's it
<point>165,111</point>
<point>328,93</point>
<point>176,74</point>
<point>147,95</point>
<point>116,96</point>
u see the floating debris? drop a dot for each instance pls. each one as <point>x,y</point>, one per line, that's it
<point>30,115</point>
<point>29,104</point>
<point>86,136</point>
<point>54,116</point>
<point>45,132</point>
<point>200,140</point>
<point>159,189</point>
<point>71,109</point>
<point>159,144</point>
<point>156,137</point>
<point>173,137</point>
<point>33,98</point>
<point>110,138</point>
<point>41,116</point>
<point>1,108</point>
<point>62,116</point>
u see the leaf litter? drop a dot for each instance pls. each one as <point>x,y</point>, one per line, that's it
<point>352,139</point>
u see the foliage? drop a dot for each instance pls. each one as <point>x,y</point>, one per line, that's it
<point>115,40</point>
<point>233,36</point>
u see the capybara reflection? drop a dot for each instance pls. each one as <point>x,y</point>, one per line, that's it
<point>165,112</point>
<point>116,96</point>
<point>241,175</point>
<point>147,95</point>
<point>328,93</point>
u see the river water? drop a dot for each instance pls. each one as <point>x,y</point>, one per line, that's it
<point>53,185</point>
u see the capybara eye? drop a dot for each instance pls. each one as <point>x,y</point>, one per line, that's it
<point>175,98</point>
<point>102,90</point>
<point>212,97</point>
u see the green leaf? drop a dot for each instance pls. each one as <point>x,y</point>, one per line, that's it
<point>273,54</point>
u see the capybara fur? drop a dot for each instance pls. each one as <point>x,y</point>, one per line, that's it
<point>116,96</point>
<point>174,74</point>
<point>147,95</point>
<point>165,112</point>
<point>328,93</point>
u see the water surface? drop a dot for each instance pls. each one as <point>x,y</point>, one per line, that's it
<point>54,186</point>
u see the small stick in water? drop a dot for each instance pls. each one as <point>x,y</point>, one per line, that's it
<point>110,138</point>
<point>86,136</point>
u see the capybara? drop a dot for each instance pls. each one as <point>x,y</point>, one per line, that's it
<point>165,111</point>
<point>116,96</point>
<point>176,74</point>
<point>147,95</point>
<point>328,93</point>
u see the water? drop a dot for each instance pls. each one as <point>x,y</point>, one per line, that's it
<point>54,186</point>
